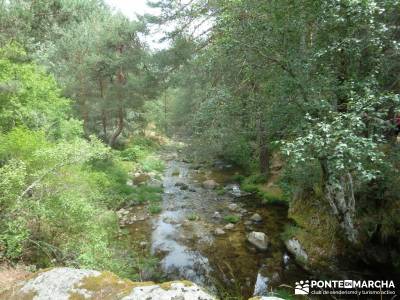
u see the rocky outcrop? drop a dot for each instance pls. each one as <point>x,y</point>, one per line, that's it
<point>258,239</point>
<point>295,248</point>
<point>69,284</point>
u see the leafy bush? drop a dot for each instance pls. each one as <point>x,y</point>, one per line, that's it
<point>152,163</point>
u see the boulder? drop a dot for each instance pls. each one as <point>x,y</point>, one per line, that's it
<point>182,185</point>
<point>229,226</point>
<point>256,218</point>
<point>210,184</point>
<point>140,178</point>
<point>294,247</point>
<point>69,283</point>
<point>217,215</point>
<point>233,207</point>
<point>219,231</point>
<point>258,239</point>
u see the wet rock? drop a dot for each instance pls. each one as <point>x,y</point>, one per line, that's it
<point>219,231</point>
<point>210,184</point>
<point>294,247</point>
<point>217,215</point>
<point>248,223</point>
<point>229,226</point>
<point>258,239</point>
<point>233,207</point>
<point>261,286</point>
<point>192,190</point>
<point>182,185</point>
<point>233,190</point>
<point>256,218</point>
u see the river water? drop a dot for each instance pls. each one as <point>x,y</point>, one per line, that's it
<point>183,236</point>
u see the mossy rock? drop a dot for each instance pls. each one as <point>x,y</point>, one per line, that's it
<point>77,284</point>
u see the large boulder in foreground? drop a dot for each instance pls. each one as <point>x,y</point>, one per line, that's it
<point>69,283</point>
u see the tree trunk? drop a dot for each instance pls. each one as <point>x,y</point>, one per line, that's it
<point>263,156</point>
<point>104,123</point>
<point>120,127</point>
<point>340,196</point>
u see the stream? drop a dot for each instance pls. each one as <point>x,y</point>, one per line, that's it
<point>184,235</point>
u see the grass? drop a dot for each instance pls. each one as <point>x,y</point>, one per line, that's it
<point>192,217</point>
<point>272,197</point>
<point>154,209</point>
<point>238,178</point>
<point>232,219</point>
<point>152,163</point>
<point>250,188</point>
<point>142,194</point>
<point>220,191</point>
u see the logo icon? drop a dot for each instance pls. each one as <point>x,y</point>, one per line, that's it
<point>302,287</point>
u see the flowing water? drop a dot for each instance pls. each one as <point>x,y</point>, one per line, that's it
<point>183,236</point>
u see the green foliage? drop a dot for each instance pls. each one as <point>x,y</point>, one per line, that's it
<point>152,163</point>
<point>238,178</point>
<point>255,179</point>
<point>56,187</point>
<point>192,217</point>
<point>249,188</point>
<point>231,219</point>
<point>29,97</point>
<point>143,194</point>
<point>154,209</point>
<point>220,191</point>
<point>272,197</point>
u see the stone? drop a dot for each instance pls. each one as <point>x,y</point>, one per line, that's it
<point>182,185</point>
<point>294,247</point>
<point>256,218</point>
<point>219,231</point>
<point>233,207</point>
<point>217,215</point>
<point>248,223</point>
<point>258,239</point>
<point>68,283</point>
<point>229,226</point>
<point>140,178</point>
<point>210,184</point>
